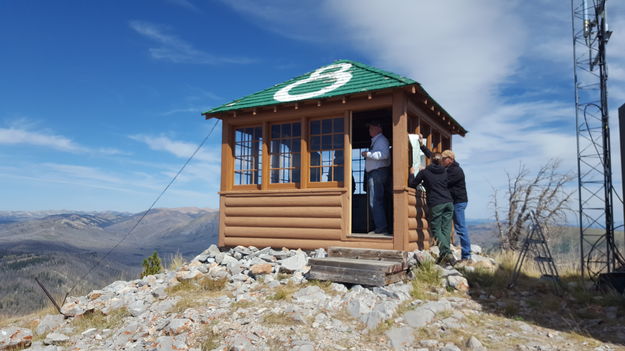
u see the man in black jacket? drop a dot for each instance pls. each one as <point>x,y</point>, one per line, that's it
<point>458,189</point>
<point>440,203</point>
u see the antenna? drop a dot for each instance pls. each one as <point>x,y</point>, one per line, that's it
<point>599,253</point>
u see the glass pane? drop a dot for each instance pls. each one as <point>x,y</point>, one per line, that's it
<point>338,141</point>
<point>326,142</point>
<point>338,125</point>
<point>315,143</point>
<point>315,127</point>
<point>275,131</point>
<point>295,175</point>
<point>315,159</point>
<point>325,174</point>
<point>295,145</point>
<point>314,174</point>
<point>326,126</point>
<point>275,176</point>
<point>284,146</point>
<point>326,158</point>
<point>338,157</point>
<point>338,174</point>
<point>274,146</point>
<point>258,133</point>
<point>286,130</point>
<point>297,129</point>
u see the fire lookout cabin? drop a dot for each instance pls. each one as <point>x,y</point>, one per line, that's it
<point>292,174</point>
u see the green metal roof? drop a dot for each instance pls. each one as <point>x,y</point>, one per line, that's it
<point>339,78</point>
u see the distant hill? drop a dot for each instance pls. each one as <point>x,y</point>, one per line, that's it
<point>60,247</point>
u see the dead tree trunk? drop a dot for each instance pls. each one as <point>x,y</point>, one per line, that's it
<point>544,193</point>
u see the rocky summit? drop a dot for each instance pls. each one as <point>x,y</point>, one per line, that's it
<point>247,298</point>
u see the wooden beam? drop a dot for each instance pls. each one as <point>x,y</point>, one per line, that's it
<point>330,108</point>
<point>400,170</point>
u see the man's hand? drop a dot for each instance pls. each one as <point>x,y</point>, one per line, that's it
<point>412,171</point>
<point>422,141</point>
<point>364,153</point>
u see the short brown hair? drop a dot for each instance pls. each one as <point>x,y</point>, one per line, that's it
<point>449,154</point>
<point>437,158</point>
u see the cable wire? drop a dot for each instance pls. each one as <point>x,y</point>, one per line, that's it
<point>144,213</point>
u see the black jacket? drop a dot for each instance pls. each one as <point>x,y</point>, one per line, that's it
<point>456,184</point>
<point>455,179</point>
<point>434,178</point>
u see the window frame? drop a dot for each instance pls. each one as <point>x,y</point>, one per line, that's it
<point>234,170</point>
<point>269,139</point>
<point>332,183</point>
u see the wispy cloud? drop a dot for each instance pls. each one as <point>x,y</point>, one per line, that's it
<point>177,148</point>
<point>18,136</point>
<point>177,50</point>
<point>23,132</point>
<point>187,4</point>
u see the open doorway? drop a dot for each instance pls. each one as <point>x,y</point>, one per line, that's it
<point>362,222</point>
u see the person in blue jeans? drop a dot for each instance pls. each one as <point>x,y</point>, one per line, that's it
<point>458,189</point>
<point>377,162</point>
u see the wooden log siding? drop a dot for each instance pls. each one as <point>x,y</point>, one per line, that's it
<point>294,215</point>
<point>418,226</point>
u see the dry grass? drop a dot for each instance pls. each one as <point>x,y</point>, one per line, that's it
<point>281,318</point>
<point>99,320</point>
<point>29,320</point>
<point>193,291</point>
<point>175,261</point>
<point>284,292</point>
<point>325,285</point>
<point>426,279</point>
<point>207,339</point>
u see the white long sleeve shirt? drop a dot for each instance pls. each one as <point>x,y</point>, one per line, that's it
<point>378,155</point>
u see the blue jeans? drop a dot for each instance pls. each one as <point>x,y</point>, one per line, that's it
<point>462,231</point>
<point>376,180</point>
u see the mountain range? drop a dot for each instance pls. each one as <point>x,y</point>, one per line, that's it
<point>64,249</point>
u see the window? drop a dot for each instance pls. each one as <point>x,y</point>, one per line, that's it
<point>248,143</point>
<point>284,153</point>
<point>326,150</point>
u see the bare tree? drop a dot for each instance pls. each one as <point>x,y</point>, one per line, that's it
<point>545,194</point>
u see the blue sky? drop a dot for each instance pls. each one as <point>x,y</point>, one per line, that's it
<point>100,102</point>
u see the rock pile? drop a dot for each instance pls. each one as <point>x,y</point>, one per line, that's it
<point>247,299</point>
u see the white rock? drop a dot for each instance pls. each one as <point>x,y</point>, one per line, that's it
<point>49,323</point>
<point>476,249</point>
<point>56,339</point>
<point>14,337</point>
<point>293,263</point>
<point>459,283</point>
<point>400,338</point>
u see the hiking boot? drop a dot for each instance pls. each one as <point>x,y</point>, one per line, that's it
<point>447,259</point>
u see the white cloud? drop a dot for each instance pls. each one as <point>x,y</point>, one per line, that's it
<point>177,148</point>
<point>24,132</point>
<point>17,136</point>
<point>187,4</point>
<point>176,50</point>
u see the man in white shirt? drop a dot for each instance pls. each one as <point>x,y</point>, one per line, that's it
<point>377,162</point>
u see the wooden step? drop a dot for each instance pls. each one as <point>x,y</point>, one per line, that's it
<point>373,265</point>
<point>354,275</point>
<point>360,266</point>
<point>368,254</point>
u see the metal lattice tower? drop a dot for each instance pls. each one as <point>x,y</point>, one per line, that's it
<point>590,36</point>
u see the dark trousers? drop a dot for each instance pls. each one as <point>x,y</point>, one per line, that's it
<point>440,225</point>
